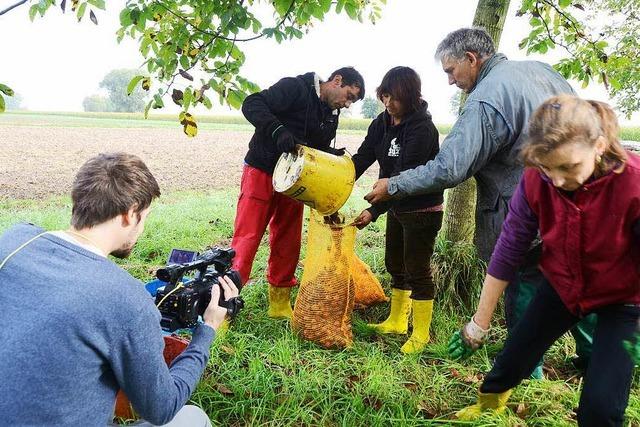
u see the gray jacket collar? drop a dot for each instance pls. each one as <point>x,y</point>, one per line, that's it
<point>488,66</point>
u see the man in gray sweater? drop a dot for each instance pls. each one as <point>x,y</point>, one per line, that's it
<point>76,328</point>
<point>484,143</point>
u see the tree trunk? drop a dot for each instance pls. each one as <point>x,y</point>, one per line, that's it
<point>459,218</point>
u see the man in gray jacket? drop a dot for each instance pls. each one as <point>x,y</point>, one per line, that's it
<point>484,143</point>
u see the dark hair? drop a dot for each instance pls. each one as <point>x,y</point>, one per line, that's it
<point>350,77</point>
<point>565,119</point>
<point>404,85</point>
<point>108,185</point>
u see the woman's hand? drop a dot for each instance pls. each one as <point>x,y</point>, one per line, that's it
<point>363,219</point>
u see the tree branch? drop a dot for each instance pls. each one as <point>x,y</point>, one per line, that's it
<point>2,12</point>
<point>218,33</point>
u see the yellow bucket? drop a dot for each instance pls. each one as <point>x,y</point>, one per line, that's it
<point>320,180</point>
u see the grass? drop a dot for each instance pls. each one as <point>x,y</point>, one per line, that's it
<point>136,120</point>
<point>630,133</point>
<point>262,374</point>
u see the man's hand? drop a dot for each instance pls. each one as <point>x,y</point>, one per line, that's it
<point>336,151</point>
<point>380,192</point>
<point>466,341</point>
<point>363,219</point>
<point>285,141</point>
<point>214,315</point>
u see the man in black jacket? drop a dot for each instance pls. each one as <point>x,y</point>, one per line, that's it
<point>295,110</point>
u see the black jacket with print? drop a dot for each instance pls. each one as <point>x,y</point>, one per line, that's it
<point>397,148</point>
<point>294,103</point>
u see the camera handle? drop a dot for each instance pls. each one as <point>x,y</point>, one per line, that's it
<point>234,305</point>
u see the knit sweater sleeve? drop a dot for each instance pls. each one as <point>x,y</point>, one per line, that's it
<point>156,391</point>
<point>518,231</point>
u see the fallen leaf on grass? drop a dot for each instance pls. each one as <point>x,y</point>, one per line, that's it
<point>224,389</point>
<point>373,402</point>
<point>426,411</point>
<point>521,411</point>
<point>228,350</point>
<point>352,380</point>
<point>472,379</point>
<point>411,386</point>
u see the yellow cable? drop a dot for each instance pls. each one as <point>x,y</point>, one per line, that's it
<point>172,291</point>
<point>19,248</point>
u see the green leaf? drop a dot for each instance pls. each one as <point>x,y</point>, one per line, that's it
<point>317,11</point>
<point>614,83</point>
<point>32,12</point>
<point>157,101</point>
<point>125,17</point>
<point>133,83</point>
<point>207,102</point>
<point>146,109</point>
<point>325,5</point>
<point>100,4</point>
<point>81,10</point>
<point>543,48</point>
<point>235,98</point>
<point>184,61</point>
<point>535,22</point>
<point>281,6</point>
<point>186,98</point>
<point>564,3</point>
<point>6,90</point>
<point>2,107</point>
<point>351,10</point>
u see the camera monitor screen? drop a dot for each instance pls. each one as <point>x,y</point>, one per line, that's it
<point>181,256</point>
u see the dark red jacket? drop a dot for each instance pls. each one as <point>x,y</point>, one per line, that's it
<point>591,246</point>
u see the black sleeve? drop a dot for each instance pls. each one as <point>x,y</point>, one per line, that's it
<point>379,208</point>
<point>421,144</point>
<point>261,108</point>
<point>366,152</point>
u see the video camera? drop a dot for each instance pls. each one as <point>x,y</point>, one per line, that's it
<point>182,300</point>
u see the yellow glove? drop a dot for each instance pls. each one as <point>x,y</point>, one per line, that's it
<point>495,402</point>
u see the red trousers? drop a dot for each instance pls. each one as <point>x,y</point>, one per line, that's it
<point>258,206</point>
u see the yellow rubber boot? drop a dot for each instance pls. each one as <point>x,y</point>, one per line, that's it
<point>495,402</point>
<point>279,302</point>
<point>422,313</point>
<point>398,319</point>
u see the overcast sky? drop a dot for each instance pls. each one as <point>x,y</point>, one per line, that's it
<point>55,62</point>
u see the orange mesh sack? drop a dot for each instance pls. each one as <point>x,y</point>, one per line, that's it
<point>367,288</point>
<point>323,308</point>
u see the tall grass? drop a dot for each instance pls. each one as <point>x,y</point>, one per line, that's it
<point>458,274</point>
<point>261,374</point>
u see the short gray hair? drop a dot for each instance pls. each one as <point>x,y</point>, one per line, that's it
<point>464,40</point>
